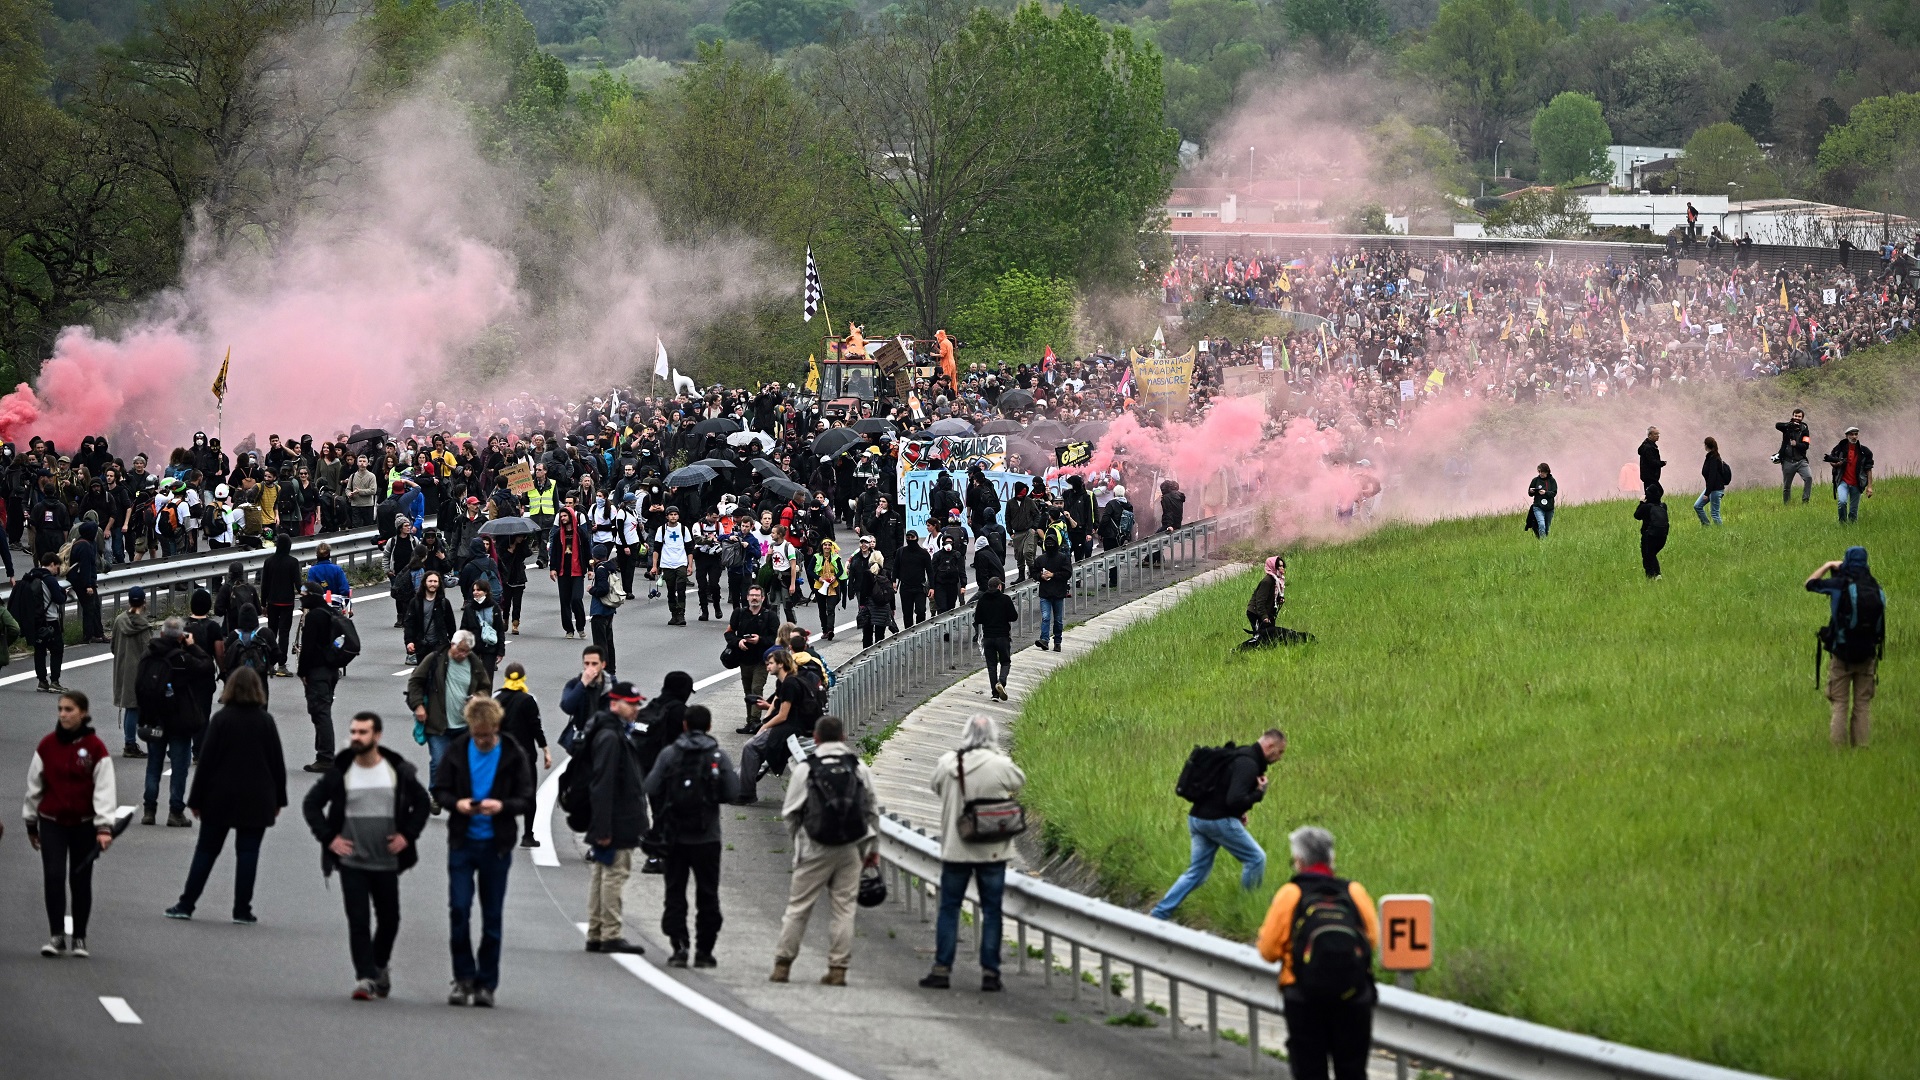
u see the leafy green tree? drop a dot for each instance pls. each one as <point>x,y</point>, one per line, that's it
<point>781,24</point>
<point>1020,310</point>
<point>1210,47</point>
<point>1338,26</point>
<point>1723,154</point>
<point>1753,111</point>
<point>1663,88</point>
<point>1876,152</point>
<point>1484,56</point>
<point>1571,138</point>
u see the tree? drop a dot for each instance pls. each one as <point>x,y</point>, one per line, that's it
<point>1753,111</point>
<point>1723,154</point>
<point>1210,46</point>
<point>1663,88</point>
<point>1876,152</point>
<point>781,24</point>
<point>1483,54</point>
<point>1541,215</point>
<point>1337,25</point>
<point>1571,138</point>
<point>1021,310</point>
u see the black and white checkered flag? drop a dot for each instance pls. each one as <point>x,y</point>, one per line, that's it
<point>812,305</point>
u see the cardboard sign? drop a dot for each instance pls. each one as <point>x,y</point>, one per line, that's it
<point>1406,389</point>
<point>1417,274</point>
<point>1829,297</point>
<point>890,356</point>
<point>1406,932</point>
<point>1266,357</point>
<point>1715,328</point>
<point>1073,453</point>
<point>1689,268</point>
<point>519,478</point>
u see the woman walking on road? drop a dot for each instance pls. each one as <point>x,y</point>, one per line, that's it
<point>430,622</point>
<point>240,786</point>
<point>69,808</point>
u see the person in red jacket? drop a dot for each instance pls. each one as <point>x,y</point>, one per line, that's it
<point>69,810</point>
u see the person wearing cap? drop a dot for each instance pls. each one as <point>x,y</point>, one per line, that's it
<point>617,793</point>
<point>1852,474</point>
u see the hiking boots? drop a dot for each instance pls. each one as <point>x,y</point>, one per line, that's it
<point>835,976</point>
<point>782,970</point>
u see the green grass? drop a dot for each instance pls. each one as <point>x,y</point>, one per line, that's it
<point>1619,793</point>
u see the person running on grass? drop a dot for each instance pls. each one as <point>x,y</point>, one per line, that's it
<point>1235,781</point>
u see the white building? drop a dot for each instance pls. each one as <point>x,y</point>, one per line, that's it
<point>1626,159</point>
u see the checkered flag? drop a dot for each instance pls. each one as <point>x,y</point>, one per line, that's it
<point>812,303</point>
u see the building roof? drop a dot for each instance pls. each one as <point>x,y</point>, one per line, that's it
<point>1213,226</point>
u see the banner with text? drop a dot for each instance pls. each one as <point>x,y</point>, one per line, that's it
<point>916,493</point>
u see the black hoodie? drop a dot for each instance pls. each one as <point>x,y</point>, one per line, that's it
<point>325,807</point>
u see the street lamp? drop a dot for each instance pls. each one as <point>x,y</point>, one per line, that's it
<point>1733,190</point>
<point>1497,144</point>
<point>1249,172</point>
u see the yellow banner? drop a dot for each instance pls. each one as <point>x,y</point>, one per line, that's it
<point>1161,384</point>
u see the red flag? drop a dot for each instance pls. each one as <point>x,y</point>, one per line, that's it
<point>1046,362</point>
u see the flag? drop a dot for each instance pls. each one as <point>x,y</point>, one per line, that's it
<point>661,369</point>
<point>1286,283</point>
<point>1469,302</point>
<point>1159,336</point>
<point>1047,361</point>
<point>1436,380</point>
<point>813,375</point>
<point>1783,292</point>
<point>1506,331</point>
<point>220,381</point>
<point>1623,324</point>
<point>1126,383</point>
<point>1766,348</point>
<point>811,305</point>
<point>1286,358</point>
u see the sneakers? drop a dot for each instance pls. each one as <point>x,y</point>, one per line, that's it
<point>1041,645</point>
<point>654,866</point>
<point>281,672</point>
<point>529,841</point>
<point>990,982</point>
<point>246,919</point>
<point>78,948</point>
<point>179,912</point>
<point>679,957</point>
<point>177,820</point>
<point>482,998</point>
<point>45,687</point>
<point>999,691</point>
<point>705,960</point>
<point>383,983</point>
<point>1056,646</point>
<point>147,816</point>
<point>129,751</point>
<point>937,979</point>
<point>55,947</point>
<point>516,627</point>
<point>461,994</point>
<point>364,990</point>
<point>747,729</point>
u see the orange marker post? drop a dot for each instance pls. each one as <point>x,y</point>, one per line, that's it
<point>1406,945</point>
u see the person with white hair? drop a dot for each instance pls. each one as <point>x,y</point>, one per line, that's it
<point>437,692</point>
<point>979,817</point>
<point>1324,931</point>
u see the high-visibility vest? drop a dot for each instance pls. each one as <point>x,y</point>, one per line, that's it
<point>541,502</point>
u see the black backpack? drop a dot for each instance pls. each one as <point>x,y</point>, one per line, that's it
<point>255,652</point>
<point>1205,772</point>
<point>1332,960</point>
<point>693,787</point>
<point>346,641</point>
<point>1859,623</point>
<point>812,702</point>
<point>155,689</point>
<point>576,790</point>
<point>835,812</point>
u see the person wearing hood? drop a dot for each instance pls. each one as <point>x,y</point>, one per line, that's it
<point>520,721</point>
<point>1116,529</point>
<point>1055,571</point>
<point>690,780</point>
<point>280,581</point>
<point>603,603</point>
<point>569,561</point>
<point>944,498</point>
<point>70,806</point>
<point>240,786</point>
<point>483,618</point>
<point>949,574</point>
<point>1023,525</point>
<point>170,715</point>
<point>1082,514</point>
<point>132,633</point>
<point>1269,595</point>
<point>83,574</point>
<point>479,566</point>
<point>1853,638</point>
<point>1173,506</point>
<point>1652,515</point>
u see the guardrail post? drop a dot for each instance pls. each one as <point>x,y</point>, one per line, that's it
<point>1139,990</point>
<point>1021,927</point>
<point>1173,1008</point>
<point>1046,961</point>
<point>1075,947</point>
<point>1253,1038</point>
<point>1213,1023</point>
<point>1106,983</point>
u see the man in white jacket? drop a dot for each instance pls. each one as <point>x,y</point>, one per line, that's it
<point>976,773</point>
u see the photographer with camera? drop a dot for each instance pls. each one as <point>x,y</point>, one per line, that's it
<point>1795,442</point>
<point>1855,633</point>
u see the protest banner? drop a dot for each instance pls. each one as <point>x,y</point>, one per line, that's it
<point>1073,453</point>
<point>954,452</point>
<point>916,493</point>
<point>1160,383</point>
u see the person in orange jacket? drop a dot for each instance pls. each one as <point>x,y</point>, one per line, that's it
<point>1324,931</point>
<point>947,365</point>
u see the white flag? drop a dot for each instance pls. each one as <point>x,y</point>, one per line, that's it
<point>1159,336</point>
<point>661,369</point>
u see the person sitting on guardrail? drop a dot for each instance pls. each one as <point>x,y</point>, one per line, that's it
<point>977,784</point>
<point>1224,783</point>
<point>1324,932</point>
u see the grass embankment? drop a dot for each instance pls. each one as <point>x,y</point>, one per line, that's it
<point>1619,793</point>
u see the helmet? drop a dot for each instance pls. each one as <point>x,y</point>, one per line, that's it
<point>873,887</point>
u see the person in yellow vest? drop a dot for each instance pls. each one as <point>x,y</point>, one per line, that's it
<point>541,498</point>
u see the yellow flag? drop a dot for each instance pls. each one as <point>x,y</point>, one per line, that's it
<point>813,375</point>
<point>220,382</point>
<point>1469,303</point>
<point>1676,311</point>
<point>1436,379</point>
<point>1286,285</point>
<point>1765,348</point>
<point>1783,295</point>
<point>1542,311</point>
<point>1623,324</point>
<point>1506,331</point>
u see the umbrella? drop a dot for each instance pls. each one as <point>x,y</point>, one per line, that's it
<point>719,425</point>
<point>834,440</point>
<point>953,425</point>
<point>767,469</point>
<point>510,526</point>
<point>1001,427</point>
<point>1036,459</point>
<point>370,434</point>
<point>744,438</point>
<point>715,463</point>
<point>1014,400</point>
<point>783,487</point>
<point>690,476</point>
<point>1091,431</point>
<point>1047,432</point>
<point>874,425</point>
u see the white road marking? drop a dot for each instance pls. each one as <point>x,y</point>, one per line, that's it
<point>121,1012</point>
<point>543,802</point>
<point>69,926</point>
<point>70,664</point>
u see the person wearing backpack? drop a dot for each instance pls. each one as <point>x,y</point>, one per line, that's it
<point>1853,638</point>
<point>1116,529</point>
<point>39,605</point>
<point>1324,932</point>
<point>1223,783</point>
<point>170,715</point>
<point>832,819</point>
<point>603,603</point>
<point>247,646</point>
<point>976,776</point>
<point>795,705</point>
<point>689,782</point>
<point>319,670</point>
<point>1716,475</point>
<point>616,818</point>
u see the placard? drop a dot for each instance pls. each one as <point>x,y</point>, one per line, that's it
<point>1417,274</point>
<point>1266,357</point>
<point>519,478</point>
<point>1073,453</point>
<point>1829,296</point>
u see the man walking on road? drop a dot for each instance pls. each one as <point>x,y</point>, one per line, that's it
<point>1227,785</point>
<point>318,674</point>
<point>485,782</point>
<point>1324,932</point>
<point>437,692</point>
<point>368,812</point>
<point>280,583</point>
<point>671,544</point>
<point>619,817</point>
<point>1795,443</point>
<point>691,780</point>
<point>750,633</point>
<point>832,819</point>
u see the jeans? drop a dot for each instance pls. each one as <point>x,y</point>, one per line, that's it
<point>246,859</point>
<point>1209,835</point>
<point>601,631</point>
<point>573,609</point>
<point>371,947</point>
<point>130,719</point>
<point>1847,498</point>
<point>65,868</point>
<point>999,654</point>
<point>1542,521</point>
<point>471,862</point>
<point>1053,618</point>
<point>1700,503</point>
<point>1791,469</point>
<point>703,862</point>
<point>437,749</point>
<point>991,877</point>
<point>180,749</point>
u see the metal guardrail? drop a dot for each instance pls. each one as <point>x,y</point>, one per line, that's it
<point>165,579</point>
<point>878,675</point>
<point>1468,1041</point>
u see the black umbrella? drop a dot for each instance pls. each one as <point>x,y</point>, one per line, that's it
<point>952,425</point>
<point>719,425</point>
<point>1035,459</point>
<point>371,434</point>
<point>1015,400</point>
<point>1091,431</point>
<point>510,526</point>
<point>783,487</point>
<point>1047,432</point>
<point>834,440</point>
<point>1001,427</point>
<point>119,826</point>
<point>716,463</point>
<point>690,476</point>
<point>767,469</point>
<point>874,425</point>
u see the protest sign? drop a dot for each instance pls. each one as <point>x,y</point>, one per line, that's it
<point>916,493</point>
